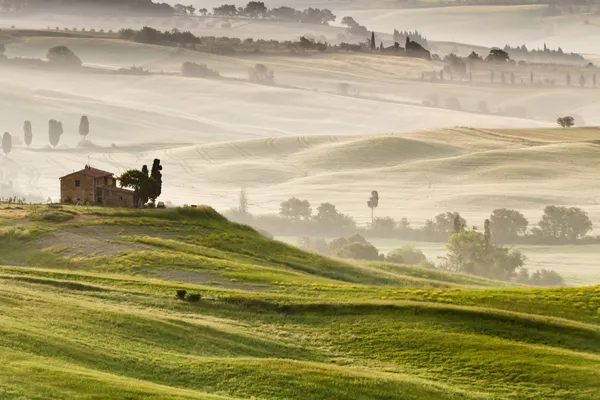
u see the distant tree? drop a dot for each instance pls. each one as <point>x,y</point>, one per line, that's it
<point>243,204</point>
<point>582,81</point>
<point>492,76</point>
<point>359,251</point>
<point>373,45</point>
<point>256,9</point>
<point>191,10</point>
<point>566,122</point>
<point>55,130</point>
<point>295,209</point>
<point>261,74</point>
<point>506,225</point>
<point>467,253</point>
<point>329,217</point>
<point>203,11</point>
<point>531,77</point>
<point>459,224</point>
<point>512,78</point>
<point>6,143</point>
<point>498,56</point>
<point>474,57</point>
<point>28,133</point>
<point>546,278</point>
<point>84,127</point>
<point>373,203</point>
<point>383,226</point>
<point>408,255</point>
<point>564,223</point>
<point>63,56</point>
<point>568,79</point>
<point>285,13</point>
<point>487,235</point>
<point>226,10</point>
<point>156,175</point>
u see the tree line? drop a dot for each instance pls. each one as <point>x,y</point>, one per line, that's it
<point>145,7</point>
<point>258,10</point>
<point>55,131</point>
<point>296,217</point>
<point>469,251</point>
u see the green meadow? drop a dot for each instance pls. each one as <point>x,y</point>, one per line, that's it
<point>88,310</point>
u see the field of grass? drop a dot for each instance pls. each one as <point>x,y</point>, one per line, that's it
<point>88,310</point>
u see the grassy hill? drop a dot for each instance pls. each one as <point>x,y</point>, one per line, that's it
<point>88,310</point>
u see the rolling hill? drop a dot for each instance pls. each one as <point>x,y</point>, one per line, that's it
<point>98,318</point>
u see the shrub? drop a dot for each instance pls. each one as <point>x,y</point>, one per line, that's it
<point>193,298</point>
<point>406,255</point>
<point>545,277</point>
<point>62,55</point>
<point>181,294</point>
<point>359,251</point>
<point>198,70</point>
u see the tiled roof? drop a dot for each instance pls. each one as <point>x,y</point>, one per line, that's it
<point>92,172</point>
<point>115,189</point>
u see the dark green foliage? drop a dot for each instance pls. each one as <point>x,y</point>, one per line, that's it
<point>193,298</point>
<point>373,203</point>
<point>181,294</point>
<point>84,126</point>
<point>408,255</point>
<point>63,56</point>
<point>144,186</point>
<point>6,143</point>
<point>565,122</point>
<point>55,130</point>
<point>156,174</point>
<point>28,134</point>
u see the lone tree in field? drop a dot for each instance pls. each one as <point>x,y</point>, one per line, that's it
<point>28,133</point>
<point>55,130</point>
<point>566,122</point>
<point>84,127</point>
<point>582,81</point>
<point>372,204</point>
<point>63,56</point>
<point>6,143</point>
<point>506,225</point>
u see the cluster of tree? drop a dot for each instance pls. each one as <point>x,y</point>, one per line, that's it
<point>55,131</point>
<point>146,185</point>
<point>138,7</point>
<point>195,70</point>
<point>544,55</point>
<point>475,253</point>
<point>258,10</point>
<point>62,55</point>
<point>13,200</point>
<point>354,28</point>
<point>416,36</point>
<point>565,122</point>
<point>154,36</point>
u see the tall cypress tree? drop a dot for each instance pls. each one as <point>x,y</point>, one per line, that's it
<point>157,175</point>
<point>373,46</point>
<point>28,133</point>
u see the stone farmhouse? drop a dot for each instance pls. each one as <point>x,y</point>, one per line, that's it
<point>94,186</point>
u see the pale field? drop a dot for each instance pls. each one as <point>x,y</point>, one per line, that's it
<point>300,138</point>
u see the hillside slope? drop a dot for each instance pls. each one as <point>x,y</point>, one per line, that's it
<point>94,315</point>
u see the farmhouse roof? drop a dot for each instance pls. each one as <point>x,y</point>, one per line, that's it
<point>91,172</point>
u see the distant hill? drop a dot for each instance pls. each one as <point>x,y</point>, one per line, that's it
<point>86,6</point>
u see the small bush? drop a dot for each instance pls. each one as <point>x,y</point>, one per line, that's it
<point>198,70</point>
<point>181,294</point>
<point>406,255</point>
<point>193,298</point>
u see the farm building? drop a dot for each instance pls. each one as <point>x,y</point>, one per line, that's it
<point>94,186</point>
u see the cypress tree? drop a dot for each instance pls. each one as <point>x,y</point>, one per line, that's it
<point>27,133</point>
<point>373,46</point>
